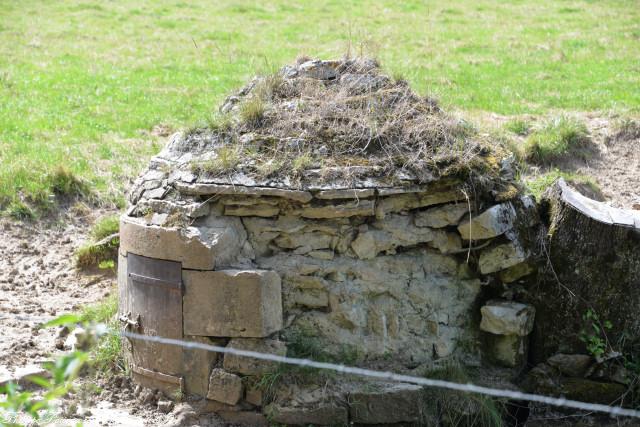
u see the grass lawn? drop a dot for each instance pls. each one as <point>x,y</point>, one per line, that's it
<point>82,84</point>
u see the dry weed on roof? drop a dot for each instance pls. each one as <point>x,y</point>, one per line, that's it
<point>328,115</point>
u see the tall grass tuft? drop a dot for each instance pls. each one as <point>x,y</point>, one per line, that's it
<point>463,409</point>
<point>518,126</point>
<point>557,138</point>
<point>106,356</point>
<point>102,252</point>
<point>252,111</point>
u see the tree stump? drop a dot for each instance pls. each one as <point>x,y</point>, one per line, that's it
<point>593,266</point>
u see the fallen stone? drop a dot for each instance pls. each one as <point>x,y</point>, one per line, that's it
<point>323,414</point>
<point>232,303</point>
<point>507,318</point>
<point>224,387</point>
<point>391,403</point>
<point>441,216</point>
<point>248,365</point>
<point>490,223</point>
<point>571,365</point>
<point>501,257</point>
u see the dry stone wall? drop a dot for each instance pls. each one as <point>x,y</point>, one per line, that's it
<point>382,273</point>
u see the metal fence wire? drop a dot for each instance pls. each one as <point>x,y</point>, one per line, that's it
<point>385,375</point>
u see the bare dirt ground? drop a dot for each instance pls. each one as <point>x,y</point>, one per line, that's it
<point>614,163</point>
<point>39,281</point>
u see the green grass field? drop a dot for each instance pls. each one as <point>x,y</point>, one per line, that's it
<point>82,84</point>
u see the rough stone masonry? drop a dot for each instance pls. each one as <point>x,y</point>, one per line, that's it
<point>386,267</point>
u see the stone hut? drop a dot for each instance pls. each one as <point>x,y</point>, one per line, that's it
<point>326,212</point>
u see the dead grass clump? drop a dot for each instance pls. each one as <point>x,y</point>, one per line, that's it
<point>252,111</point>
<point>226,160</point>
<point>625,130</point>
<point>340,113</point>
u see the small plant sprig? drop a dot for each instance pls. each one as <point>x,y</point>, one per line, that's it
<point>55,384</point>
<point>594,335</point>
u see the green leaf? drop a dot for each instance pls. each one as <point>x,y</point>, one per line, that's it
<point>65,319</point>
<point>42,382</point>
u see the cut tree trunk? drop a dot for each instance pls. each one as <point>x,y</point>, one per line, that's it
<point>593,265</point>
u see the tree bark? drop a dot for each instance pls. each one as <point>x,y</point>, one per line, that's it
<point>592,255</point>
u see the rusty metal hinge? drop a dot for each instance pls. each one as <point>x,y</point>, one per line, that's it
<point>128,322</point>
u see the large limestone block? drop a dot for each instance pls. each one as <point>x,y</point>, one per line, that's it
<point>507,318</point>
<point>224,387</point>
<point>392,403</point>
<point>248,365</point>
<point>501,257</point>
<point>490,223</point>
<point>232,303</point>
<point>441,216</point>
<point>216,241</point>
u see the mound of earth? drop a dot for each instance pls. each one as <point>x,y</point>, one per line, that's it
<point>342,122</point>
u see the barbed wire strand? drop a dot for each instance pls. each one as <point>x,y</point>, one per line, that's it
<point>385,375</point>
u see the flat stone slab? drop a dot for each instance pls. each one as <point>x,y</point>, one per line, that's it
<point>199,189</point>
<point>599,211</point>
<point>232,303</point>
